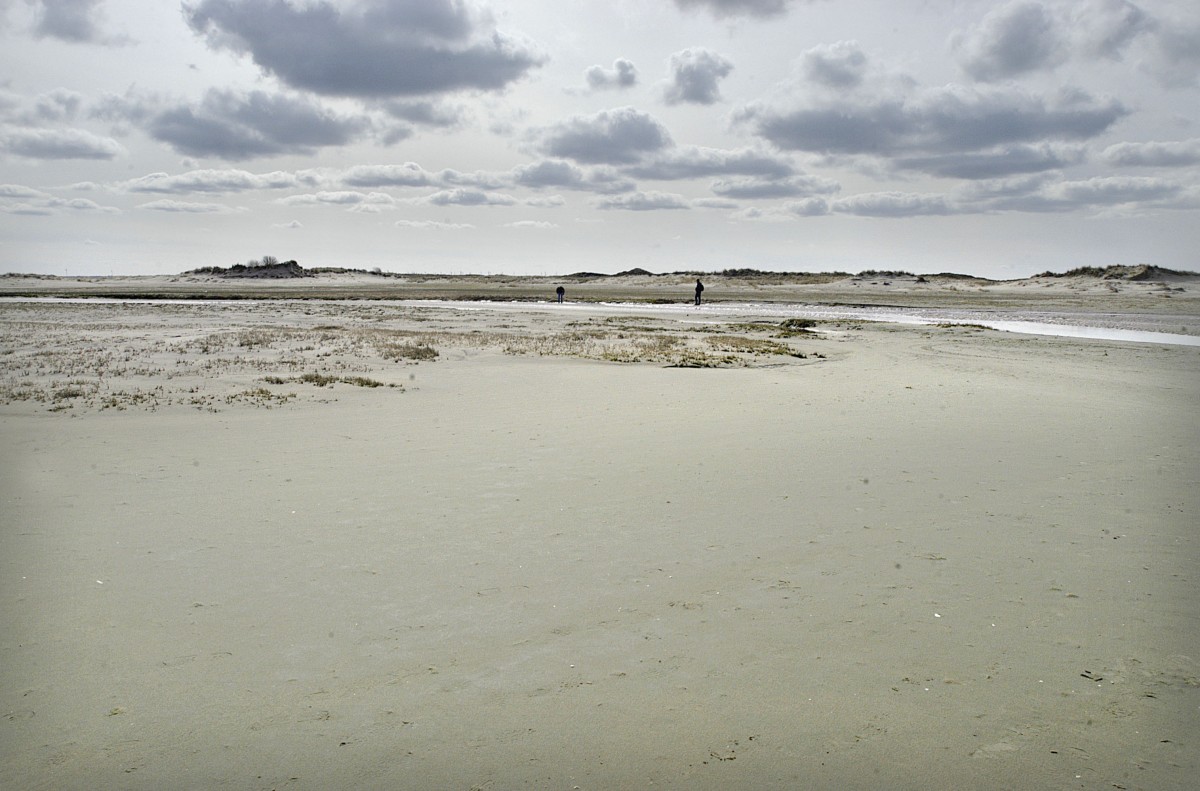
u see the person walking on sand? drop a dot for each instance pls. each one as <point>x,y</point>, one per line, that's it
<point>699,291</point>
<point>561,293</point>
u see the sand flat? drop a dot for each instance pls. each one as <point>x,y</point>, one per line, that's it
<point>915,557</point>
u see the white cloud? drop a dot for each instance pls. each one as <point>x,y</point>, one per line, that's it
<point>183,207</point>
<point>349,198</point>
<point>433,225</point>
<point>531,224</point>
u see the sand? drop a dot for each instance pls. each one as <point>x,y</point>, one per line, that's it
<point>914,557</point>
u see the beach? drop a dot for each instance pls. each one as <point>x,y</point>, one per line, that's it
<point>314,543</point>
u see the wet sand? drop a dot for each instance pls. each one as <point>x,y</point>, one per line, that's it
<point>307,545</point>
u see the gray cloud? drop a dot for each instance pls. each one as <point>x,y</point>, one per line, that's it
<point>209,181</point>
<point>564,175</point>
<point>433,225</point>
<point>892,204</point>
<point>643,201</point>
<point>1003,161</point>
<point>1095,193</point>
<point>349,198</point>
<point>410,174</point>
<point>1105,28</point>
<point>1017,38</point>
<point>469,197</point>
<point>69,20</point>
<point>57,144</point>
<point>951,119</point>
<point>1179,153</point>
<point>730,8</point>
<point>841,65</point>
<point>425,113</point>
<point>694,76</point>
<point>375,48</point>
<point>623,74</point>
<point>795,187</point>
<point>235,126</point>
<point>614,137</point>
<point>182,207</point>
<point>689,162</point>
<point>1176,58</point>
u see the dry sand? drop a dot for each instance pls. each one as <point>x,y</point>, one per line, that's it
<point>915,557</point>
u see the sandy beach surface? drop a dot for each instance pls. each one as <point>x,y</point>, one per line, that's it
<point>311,544</point>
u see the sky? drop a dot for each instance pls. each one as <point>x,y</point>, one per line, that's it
<point>999,139</point>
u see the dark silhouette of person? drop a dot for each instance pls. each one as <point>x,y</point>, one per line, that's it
<point>699,291</point>
<point>561,293</point>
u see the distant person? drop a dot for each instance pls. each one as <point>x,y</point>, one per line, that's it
<point>562,292</point>
<point>699,291</point>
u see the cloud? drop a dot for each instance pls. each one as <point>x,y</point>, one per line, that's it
<point>938,121</point>
<point>76,21</point>
<point>1016,38</point>
<point>994,163</point>
<point>620,136</point>
<point>730,8</point>
<point>1101,192</point>
<point>643,201</point>
<point>892,204</point>
<point>1176,54</point>
<point>469,197</point>
<point>557,173</point>
<point>546,202</point>
<point>373,48</point>
<point>433,225</point>
<point>623,74</point>
<point>20,191</point>
<point>689,162</point>
<point>234,126</point>
<point>1179,153</point>
<point>425,113</point>
<point>410,174</point>
<point>786,211</point>
<point>841,65</point>
<point>755,188</point>
<point>182,207</point>
<point>21,200</point>
<point>213,181</point>
<point>57,144</point>
<point>694,76</point>
<point>348,198</point>
<point>1104,28</point>
<point>535,224</point>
